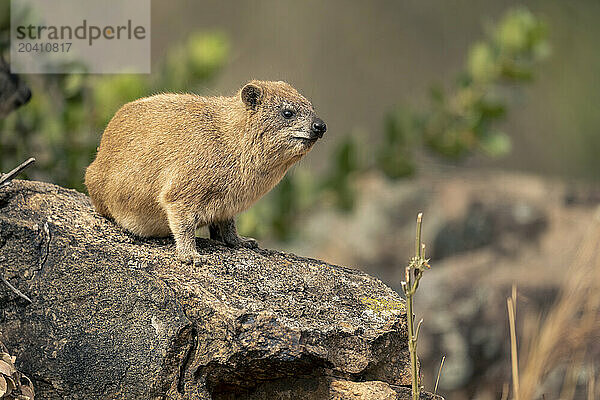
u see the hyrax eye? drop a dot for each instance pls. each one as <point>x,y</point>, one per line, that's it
<point>288,113</point>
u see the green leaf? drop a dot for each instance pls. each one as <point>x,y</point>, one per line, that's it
<point>207,53</point>
<point>482,64</point>
<point>496,144</point>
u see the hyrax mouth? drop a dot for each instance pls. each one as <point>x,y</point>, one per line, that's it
<point>305,138</point>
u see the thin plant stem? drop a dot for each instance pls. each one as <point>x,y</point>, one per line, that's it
<point>413,274</point>
<point>418,244</point>
<point>437,380</point>
<point>513,346</point>
<point>411,346</point>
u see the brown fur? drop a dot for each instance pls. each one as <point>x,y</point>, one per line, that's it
<point>170,163</point>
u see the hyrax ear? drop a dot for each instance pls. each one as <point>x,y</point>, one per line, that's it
<point>252,95</point>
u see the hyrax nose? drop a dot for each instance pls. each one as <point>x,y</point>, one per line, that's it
<point>318,127</point>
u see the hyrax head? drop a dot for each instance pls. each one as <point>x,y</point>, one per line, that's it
<point>280,119</point>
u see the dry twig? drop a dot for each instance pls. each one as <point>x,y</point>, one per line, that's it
<point>437,380</point>
<point>5,178</point>
<point>511,303</point>
<point>15,290</point>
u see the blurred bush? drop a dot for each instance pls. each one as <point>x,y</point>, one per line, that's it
<point>62,125</point>
<point>463,121</point>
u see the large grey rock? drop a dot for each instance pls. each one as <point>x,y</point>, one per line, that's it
<point>116,316</point>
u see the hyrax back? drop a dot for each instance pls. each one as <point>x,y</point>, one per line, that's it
<point>170,163</point>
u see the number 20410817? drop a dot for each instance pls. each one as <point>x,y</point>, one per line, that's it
<point>44,47</point>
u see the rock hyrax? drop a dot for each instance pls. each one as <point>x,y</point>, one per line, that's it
<point>170,163</point>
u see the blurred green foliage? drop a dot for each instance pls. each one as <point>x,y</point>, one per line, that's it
<point>463,121</point>
<point>62,124</point>
<point>395,154</point>
<point>338,177</point>
<point>280,210</point>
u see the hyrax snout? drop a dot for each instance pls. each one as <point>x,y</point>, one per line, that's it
<point>170,163</point>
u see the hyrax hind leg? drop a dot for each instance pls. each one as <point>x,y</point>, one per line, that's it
<point>182,222</point>
<point>225,232</point>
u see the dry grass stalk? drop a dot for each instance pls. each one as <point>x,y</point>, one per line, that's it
<point>505,390</point>
<point>511,305</point>
<point>570,380</point>
<point>572,320</point>
<point>437,380</point>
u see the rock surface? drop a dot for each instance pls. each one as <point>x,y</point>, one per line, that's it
<point>116,316</point>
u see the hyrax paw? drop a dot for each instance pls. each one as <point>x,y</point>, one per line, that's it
<point>242,241</point>
<point>191,258</point>
<point>248,242</point>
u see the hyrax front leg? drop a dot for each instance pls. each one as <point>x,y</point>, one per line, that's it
<point>225,232</point>
<point>183,226</point>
